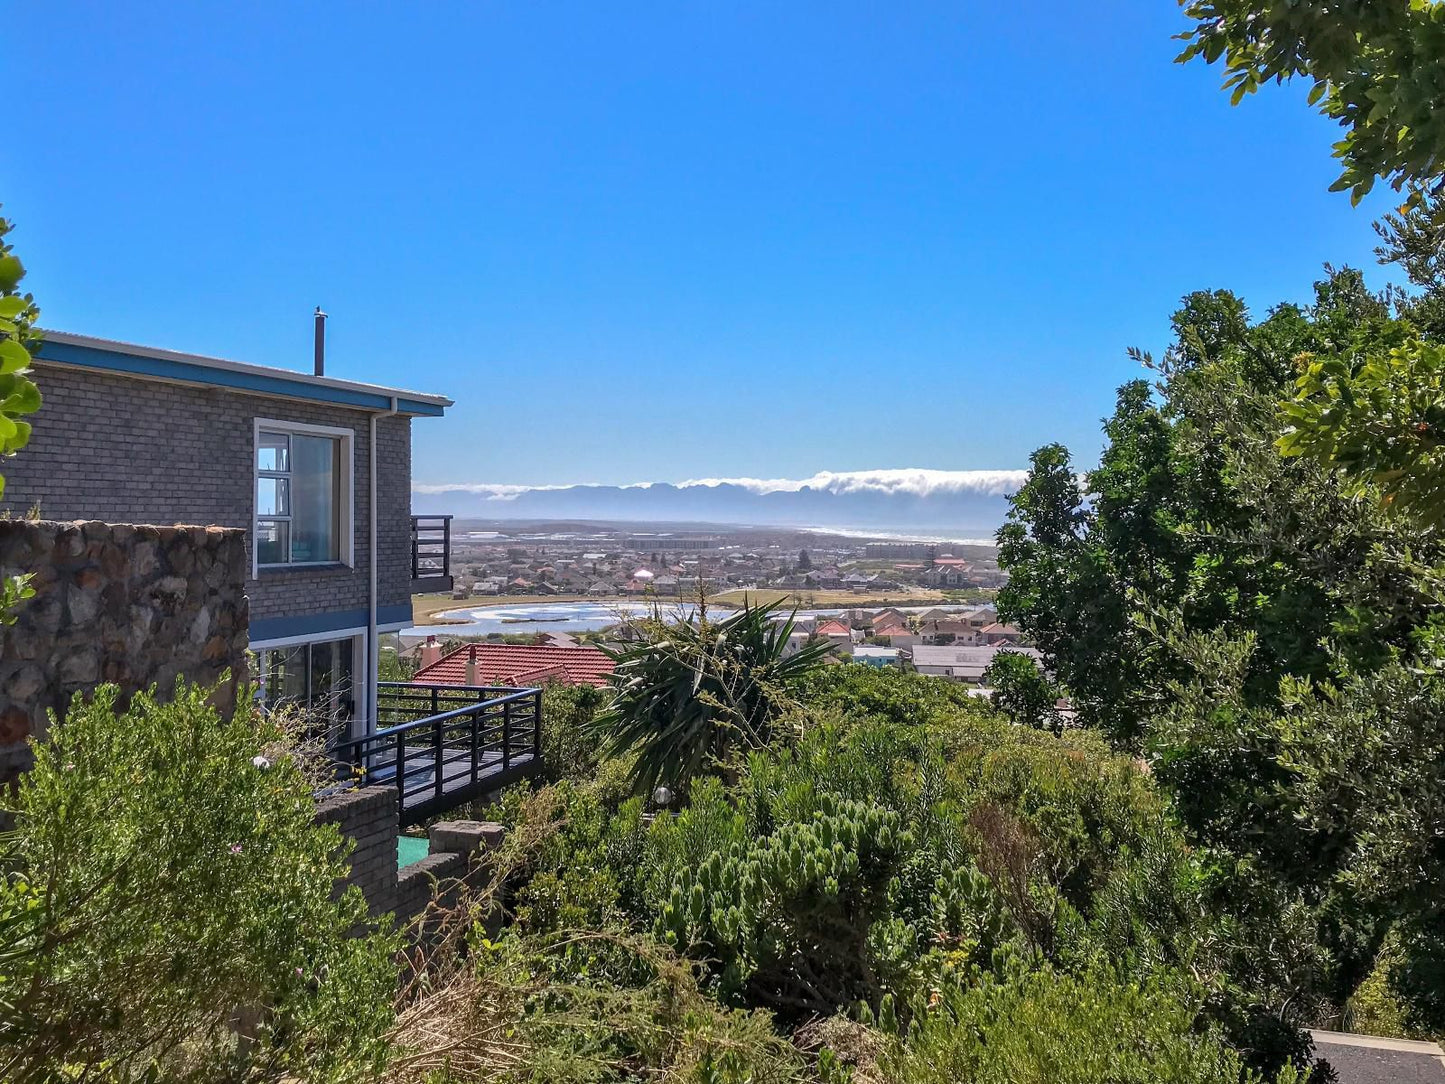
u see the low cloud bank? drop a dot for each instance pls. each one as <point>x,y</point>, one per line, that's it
<point>904,482</point>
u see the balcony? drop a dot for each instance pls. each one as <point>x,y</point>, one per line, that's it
<point>431,554</point>
<point>445,745</point>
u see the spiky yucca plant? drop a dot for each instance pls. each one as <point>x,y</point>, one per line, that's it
<point>694,692</point>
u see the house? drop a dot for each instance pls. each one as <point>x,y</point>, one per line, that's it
<point>962,664</point>
<point>518,665</point>
<point>998,633</point>
<point>315,469</point>
<point>601,587</point>
<point>947,576</point>
<point>797,640</point>
<point>890,615</point>
<point>897,635</point>
<point>880,657</point>
<point>836,632</point>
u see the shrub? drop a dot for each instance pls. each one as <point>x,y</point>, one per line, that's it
<point>166,891</point>
<point>1045,1027</point>
<point>860,693</point>
<point>536,1011</point>
<point>570,749</point>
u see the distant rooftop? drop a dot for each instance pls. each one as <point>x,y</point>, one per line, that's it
<point>520,664</point>
<point>150,362</point>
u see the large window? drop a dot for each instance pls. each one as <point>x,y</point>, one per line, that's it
<point>314,679</point>
<point>303,496</point>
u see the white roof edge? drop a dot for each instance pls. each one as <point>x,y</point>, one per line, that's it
<point>71,339</point>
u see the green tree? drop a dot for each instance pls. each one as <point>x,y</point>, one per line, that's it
<point>18,312</point>
<point>1380,414</point>
<point>167,890</point>
<point>1202,593</point>
<point>805,563</point>
<point>1023,692</point>
<point>18,394</point>
<point>1377,68</point>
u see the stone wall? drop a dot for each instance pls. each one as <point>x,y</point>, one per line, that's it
<point>131,605</point>
<point>133,450</point>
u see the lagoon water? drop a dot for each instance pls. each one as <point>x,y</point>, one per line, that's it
<point>571,617</point>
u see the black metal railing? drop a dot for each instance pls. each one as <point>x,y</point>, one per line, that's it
<point>446,744</point>
<point>431,553</point>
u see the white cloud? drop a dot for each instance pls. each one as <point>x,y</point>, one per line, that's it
<point>913,481</point>
<point>909,481</point>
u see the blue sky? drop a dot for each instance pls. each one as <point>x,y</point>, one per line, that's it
<point>664,241</point>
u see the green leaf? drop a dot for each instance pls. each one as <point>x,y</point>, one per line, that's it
<point>13,357</point>
<point>11,272</point>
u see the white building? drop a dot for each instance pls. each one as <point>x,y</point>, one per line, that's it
<point>964,664</point>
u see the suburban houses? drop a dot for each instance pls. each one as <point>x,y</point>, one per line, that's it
<point>616,564</point>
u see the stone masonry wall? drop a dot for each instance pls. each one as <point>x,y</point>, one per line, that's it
<point>115,603</point>
<point>131,450</point>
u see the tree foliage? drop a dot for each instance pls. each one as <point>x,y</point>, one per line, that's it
<point>1237,615</point>
<point>1377,67</point>
<point>18,312</point>
<point>1023,692</point>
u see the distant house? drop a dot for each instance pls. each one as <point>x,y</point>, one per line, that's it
<point>797,640</point>
<point>897,635</point>
<point>890,615</point>
<point>518,665</point>
<point>601,587</point>
<point>962,664</point>
<point>836,632</point>
<point>1000,634</point>
<point>880,657</point>
<point>947,576</point>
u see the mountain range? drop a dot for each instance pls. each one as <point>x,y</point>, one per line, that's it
<point>959,504</point>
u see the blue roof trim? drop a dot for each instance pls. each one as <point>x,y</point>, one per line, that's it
<point>261,383</point>
<point>277,628</point>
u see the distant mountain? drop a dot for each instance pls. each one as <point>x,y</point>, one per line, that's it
<point>969,504</point>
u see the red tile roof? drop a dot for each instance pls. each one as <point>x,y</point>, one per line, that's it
<point>832,628</point>
<point>520,664</point>
<point>892,630</point>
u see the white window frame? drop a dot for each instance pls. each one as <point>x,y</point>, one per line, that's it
<point>346,513</point>
<point>362,678</point>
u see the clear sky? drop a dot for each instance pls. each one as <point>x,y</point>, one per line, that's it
<point>663,241</point>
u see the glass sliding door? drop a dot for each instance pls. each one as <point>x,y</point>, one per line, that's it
<point>315,681</point>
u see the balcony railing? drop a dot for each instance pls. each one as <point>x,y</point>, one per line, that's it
<point>431,553</point>
<point>446,744</point>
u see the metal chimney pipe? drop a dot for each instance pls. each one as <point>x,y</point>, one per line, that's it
<point>320,342</point>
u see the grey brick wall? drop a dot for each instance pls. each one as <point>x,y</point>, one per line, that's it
<point>128,450</point>
<point>368,817</point>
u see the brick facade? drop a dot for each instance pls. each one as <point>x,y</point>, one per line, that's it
<point>132,450</point>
